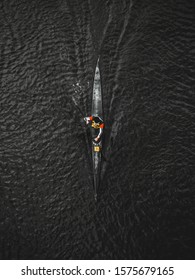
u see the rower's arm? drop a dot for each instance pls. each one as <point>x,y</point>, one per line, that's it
<point>100,132</point>
<point>88,119</point>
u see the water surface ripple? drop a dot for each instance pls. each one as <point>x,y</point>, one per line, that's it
<point>48,52</point>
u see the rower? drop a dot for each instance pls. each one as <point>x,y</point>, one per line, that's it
<point>97,123</point>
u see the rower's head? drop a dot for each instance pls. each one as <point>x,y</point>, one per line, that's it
<point>96,120</point>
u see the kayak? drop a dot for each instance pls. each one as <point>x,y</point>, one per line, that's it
<point>96,111</point>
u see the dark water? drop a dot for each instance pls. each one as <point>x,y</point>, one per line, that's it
<point>48,52</point>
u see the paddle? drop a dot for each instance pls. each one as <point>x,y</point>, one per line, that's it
<point>82,118</point>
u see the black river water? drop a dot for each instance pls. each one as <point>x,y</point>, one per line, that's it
<point>48,53</point>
